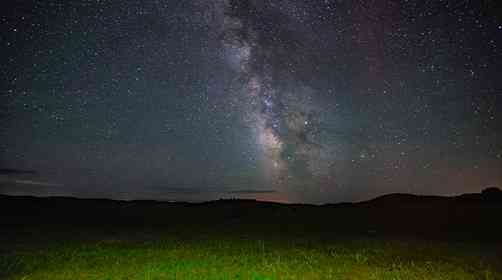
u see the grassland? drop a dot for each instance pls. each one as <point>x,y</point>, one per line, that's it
<point>253,247</point>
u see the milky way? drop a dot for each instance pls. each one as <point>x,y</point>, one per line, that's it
<point>282,110</point>
<point>297,101</point>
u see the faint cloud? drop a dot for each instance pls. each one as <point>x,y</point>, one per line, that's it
<point>249,191</point>
<point>37,183</point>
<point>10,171</point>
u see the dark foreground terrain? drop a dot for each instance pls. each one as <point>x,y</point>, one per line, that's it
<point>392,237</point>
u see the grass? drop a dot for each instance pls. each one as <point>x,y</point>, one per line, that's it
<point>234,255</point>
<point>94,239</point>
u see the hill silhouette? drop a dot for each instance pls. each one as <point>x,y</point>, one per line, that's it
<point>460,217</point>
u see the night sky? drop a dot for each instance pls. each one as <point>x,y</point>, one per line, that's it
<point>291,101</point>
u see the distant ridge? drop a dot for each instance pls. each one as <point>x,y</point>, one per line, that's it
<point>491,194</point>
<point>466,217</point>
<point>488,195</point>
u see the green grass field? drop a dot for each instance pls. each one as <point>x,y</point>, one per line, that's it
<point>422,238</point>
<point>216,255</point>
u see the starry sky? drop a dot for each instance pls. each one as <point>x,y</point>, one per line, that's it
<point>292,101</point>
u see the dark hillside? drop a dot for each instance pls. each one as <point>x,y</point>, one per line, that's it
<point>462,217</point>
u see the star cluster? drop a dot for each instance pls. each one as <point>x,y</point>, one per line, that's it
<point>299,101</point>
